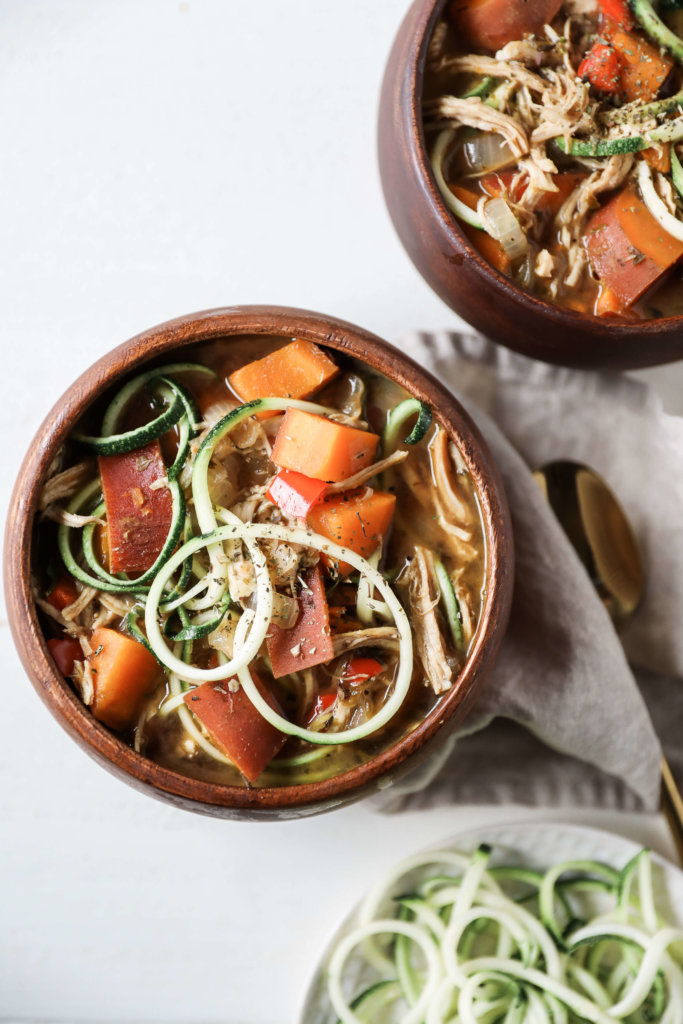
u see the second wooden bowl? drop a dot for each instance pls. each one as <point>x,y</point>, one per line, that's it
<point>455,270</point>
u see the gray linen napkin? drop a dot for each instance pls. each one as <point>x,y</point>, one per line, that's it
<point>588,738</point>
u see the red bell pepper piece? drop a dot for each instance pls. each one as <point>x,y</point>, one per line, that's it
<point>619,11</point>
<point>138,514</point>
<point>63,593</point>
<point>295,493</point>
<point>308,642</point>
<point>324,702</point>
<point>236,726</point>
<point>359,670</point>
<point>65,651</point>
<point>602,69</point>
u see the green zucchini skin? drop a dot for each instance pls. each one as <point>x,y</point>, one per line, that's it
<point>120,444</point>
<point>398,417</point>
<point>654,27</point>
<point>676,172</point>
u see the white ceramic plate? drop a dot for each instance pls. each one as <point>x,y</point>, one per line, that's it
<point>536,845</point>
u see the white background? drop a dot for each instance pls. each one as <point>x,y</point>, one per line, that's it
<point>158,158</point>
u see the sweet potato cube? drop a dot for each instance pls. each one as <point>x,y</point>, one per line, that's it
<point>627,248</point>
<point>308,642</point>
<point>138,514</point>
<point>236,727</point>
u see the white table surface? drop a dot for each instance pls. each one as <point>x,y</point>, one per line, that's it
<point>159,158</point>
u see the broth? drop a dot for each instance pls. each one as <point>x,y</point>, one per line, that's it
<point>430,554</point>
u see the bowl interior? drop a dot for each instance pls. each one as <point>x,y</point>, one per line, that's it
<point>227,327</point>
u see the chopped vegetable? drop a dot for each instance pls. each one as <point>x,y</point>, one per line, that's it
<point>139,511</point>
<point>659,157</point>
<point>579,942</point>
<point>357,519</point>
<point>65,651</point>
<point>63,593</point>
<point>491,24</point>
<point>123,673</point>
<point>359,670</point>
<point>661,34</point>
<point>308,642</point>
<point>672,225</point>
<point>323,703</point>
<point>608,303</point>
<point>628,250</point>
<point>297,370</point>
<point>601,67</point>
<point>321,448</point>
<point>619,11</point>
<point>643,67</point>
<point>235,725</point>
<point>295,493</point>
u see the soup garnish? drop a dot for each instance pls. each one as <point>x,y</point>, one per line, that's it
<point>555,133</point>
<point>255,586</point>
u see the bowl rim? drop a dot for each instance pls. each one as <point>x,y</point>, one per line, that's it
<point>427,14</point>
<point>211,325</point>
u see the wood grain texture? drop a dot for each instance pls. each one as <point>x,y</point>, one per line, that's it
<point>102,744</point>
<point>441,252</point>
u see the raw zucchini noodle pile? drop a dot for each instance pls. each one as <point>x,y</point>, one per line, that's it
<point>448,939</point>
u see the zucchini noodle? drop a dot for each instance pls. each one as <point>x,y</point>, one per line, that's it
<point>253,625</point>
<point>485,959</point>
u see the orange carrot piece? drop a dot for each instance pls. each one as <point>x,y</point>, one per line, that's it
<point>138,515</point>
<point>63,593</point>
<point>659,157</point>
<point>320,448</point>
<point>123,673</point>
<point>235,726</point>
<point>297,370</point>
<point>490,24</point>
<point>642,65</point>
<point>308,642</point>
<point>356,519</point>
<point>608,303</point>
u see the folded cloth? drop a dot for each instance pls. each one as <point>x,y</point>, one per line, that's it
<point>563,673</point>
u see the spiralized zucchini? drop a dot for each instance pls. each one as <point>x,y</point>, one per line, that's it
<point>465,943</point>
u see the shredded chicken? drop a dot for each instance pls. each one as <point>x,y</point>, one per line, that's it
<point>367,474</point>
<point>65,484</point>
<point>574,212</point>
<point>475,114</point>
<point>423,592</point>
<point>376,636</point>
<point>85,598</point>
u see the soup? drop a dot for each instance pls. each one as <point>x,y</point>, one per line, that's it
<point>554,131</point>
<point>264,565</point>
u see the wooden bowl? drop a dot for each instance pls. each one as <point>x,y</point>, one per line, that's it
<point>453,268</point>
<point>102,744</point>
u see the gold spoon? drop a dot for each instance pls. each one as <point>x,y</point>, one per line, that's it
<point>601,535</point>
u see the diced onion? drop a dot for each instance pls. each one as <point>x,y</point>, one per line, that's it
<point>501,223</point>
<point>487,152</point>
<point>455,205</point>
<point>655,204</point>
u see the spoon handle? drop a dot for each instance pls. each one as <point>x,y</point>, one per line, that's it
<point>672,805</point>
